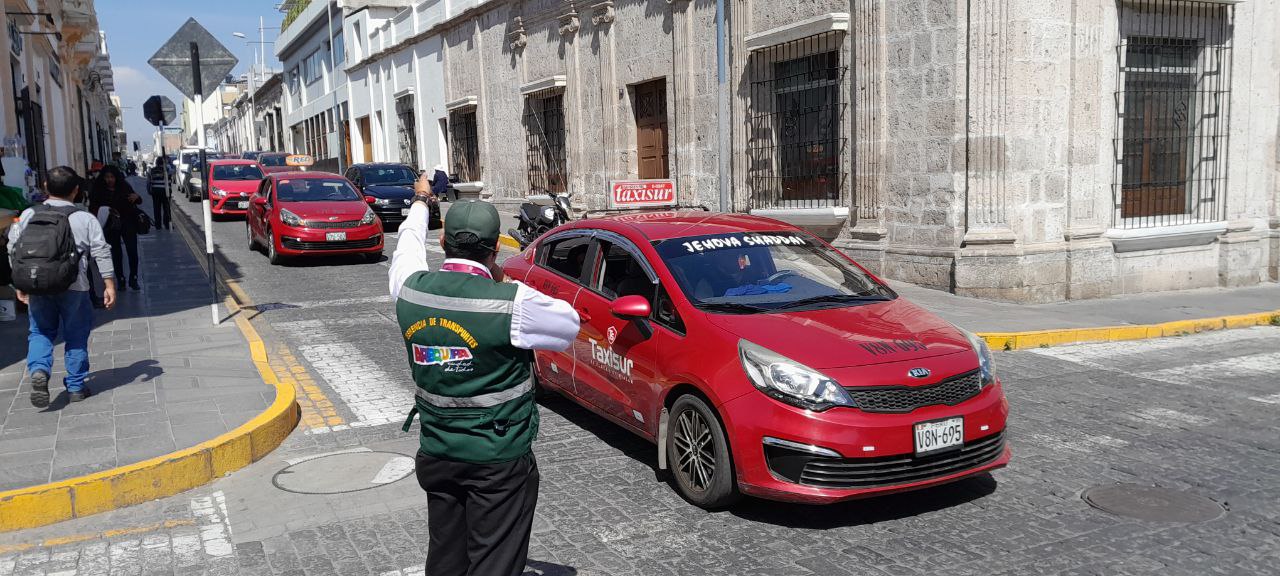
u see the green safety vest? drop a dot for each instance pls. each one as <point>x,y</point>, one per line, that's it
<point>474,388</point>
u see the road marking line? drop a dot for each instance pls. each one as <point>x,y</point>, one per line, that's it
<point>317,411</point>
<point>1166,417</point>
<point>1236,368</point>
<point>374,396</point>
<point>215,526</point>
<point>1094,354</point>
<point>1272,399</point>
<point>339,302</point>
<point>394,469</point>
<point>301,459</point>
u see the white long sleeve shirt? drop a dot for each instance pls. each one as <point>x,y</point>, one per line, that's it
<point>538,321</point>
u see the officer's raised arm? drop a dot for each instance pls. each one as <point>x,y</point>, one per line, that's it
<point>410,256</point>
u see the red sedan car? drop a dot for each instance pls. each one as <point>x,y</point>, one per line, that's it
<point>762,361</point>
<point>231,183</point>
<point>303,213</point>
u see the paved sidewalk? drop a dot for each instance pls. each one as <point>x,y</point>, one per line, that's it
<point>986,316</point>
<point>163,379</point>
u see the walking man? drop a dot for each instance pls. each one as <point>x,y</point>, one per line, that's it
<point>469,337</point>
<point>50,247</point>
<point>158,187</point>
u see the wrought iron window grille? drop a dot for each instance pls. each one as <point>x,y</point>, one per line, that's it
<point>1173,105</point>
<point>796,143</point>
<point>545,142</point>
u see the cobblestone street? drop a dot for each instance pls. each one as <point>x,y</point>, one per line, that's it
<point>1194,413</point>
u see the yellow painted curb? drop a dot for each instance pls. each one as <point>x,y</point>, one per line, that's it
<point>1046,338</point>
<point>164,475</point>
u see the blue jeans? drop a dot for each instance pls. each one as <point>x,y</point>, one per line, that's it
<point>72,313</point>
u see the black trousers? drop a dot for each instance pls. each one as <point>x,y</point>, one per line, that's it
<point>479,515</point>
<point>163,211</point>
<point>123,241</point>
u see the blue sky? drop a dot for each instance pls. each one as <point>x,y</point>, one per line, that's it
<point>136,29</point>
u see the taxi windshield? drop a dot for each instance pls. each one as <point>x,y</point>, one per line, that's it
<point>315,190</point>
<point>751,272</point>
<point>237,172</point>
<point>389,175</point>
<point>271,159</point>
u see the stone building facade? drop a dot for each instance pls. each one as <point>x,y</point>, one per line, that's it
<point>56,85</point>
<point>1005,149</point>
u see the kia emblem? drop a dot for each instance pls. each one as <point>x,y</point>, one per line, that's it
<point>919,372</point>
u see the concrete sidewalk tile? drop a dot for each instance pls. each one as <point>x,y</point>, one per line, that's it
<point>140,448</point>
<point>49,429</point>
<point>36,418</point>
<point>35,443</point>
<point>137,405</point>
<point>207,393</point>
<point>235,419</point>
<point>86,426</point>
<point>25,474</point>
<point>189,434</point>
<point>241,403</point>
<point>153,417</point>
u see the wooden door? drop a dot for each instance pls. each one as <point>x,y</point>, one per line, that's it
<point>367,136</point>
<point>651,129</point>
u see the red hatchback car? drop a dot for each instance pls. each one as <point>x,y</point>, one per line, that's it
<point>762,361</point>
<point>231,183</point>
<point>300,213</point>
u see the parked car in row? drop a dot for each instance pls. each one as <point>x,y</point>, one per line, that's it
<point>231,183</point>
<point>311,213</point>
<point>387,187</point>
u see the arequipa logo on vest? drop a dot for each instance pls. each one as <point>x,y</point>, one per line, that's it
<point>452,358</point>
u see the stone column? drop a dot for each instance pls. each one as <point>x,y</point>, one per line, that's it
<point>602,17</point>
<point>740,25</point>
<point>867,118</point>
<point>574,127</point>
<point>986,186</point>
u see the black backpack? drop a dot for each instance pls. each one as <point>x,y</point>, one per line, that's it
<point>45,258</point>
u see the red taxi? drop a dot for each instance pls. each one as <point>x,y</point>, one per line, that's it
<point>231,183</point>
<point>762,361</point>
<point>311,213</point>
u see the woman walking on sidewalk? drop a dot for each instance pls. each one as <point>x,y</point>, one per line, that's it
<point>116,205</point>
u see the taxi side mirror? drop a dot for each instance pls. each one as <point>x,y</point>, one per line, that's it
<point>631,308</point>
<point>260,201</point>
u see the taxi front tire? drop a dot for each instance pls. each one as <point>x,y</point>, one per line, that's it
<point>273,256</point>
<point>698,455</point>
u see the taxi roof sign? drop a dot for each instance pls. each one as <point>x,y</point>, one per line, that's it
<point>299,160</point>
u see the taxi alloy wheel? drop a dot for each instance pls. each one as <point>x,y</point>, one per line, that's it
<point>272,255</point>
<point>699,454</point>
<point>248,232</point>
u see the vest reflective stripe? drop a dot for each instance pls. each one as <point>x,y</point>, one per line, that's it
<point>455,304</point>
<point>482,401</point>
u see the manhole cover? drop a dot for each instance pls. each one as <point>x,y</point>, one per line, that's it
<point>1152,503</point>
<point>342,473</point>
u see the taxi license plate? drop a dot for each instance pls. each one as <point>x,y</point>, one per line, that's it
<point>939,435</point>
<point>335,236</point>
<point>242,205</point>
<point>404,211</point>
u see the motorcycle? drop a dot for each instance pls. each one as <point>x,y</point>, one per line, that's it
<point>535,219</point>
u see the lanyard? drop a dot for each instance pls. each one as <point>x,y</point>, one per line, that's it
<point>465,269</point>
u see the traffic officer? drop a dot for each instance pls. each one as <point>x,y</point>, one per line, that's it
<point>469,337</point>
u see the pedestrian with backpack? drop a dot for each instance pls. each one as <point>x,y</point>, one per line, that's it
<point>50,248</point>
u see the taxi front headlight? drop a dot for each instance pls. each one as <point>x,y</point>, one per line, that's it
<point>369,217</point>
<point>289,218</point>
<point>789,381</point>
<point>217,192</point>
<point>986,363</point>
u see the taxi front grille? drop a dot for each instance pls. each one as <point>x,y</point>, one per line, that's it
<point>330,225</point>
<point>903,399</point>
<point>295,244</point>
<point>823,472</point>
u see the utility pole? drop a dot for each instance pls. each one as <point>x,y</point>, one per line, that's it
<point>339,122</point>
<point>204,180</point>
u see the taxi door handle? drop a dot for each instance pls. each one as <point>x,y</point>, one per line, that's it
<point>583,315</point>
